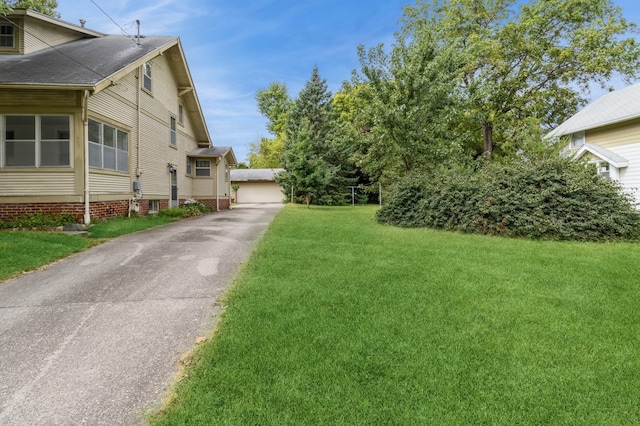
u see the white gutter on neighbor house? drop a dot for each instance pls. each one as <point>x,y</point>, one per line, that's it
<point>85,140</point>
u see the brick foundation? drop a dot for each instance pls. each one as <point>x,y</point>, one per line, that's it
<point>98,210</point>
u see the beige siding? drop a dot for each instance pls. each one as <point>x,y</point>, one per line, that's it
<point>615,135</point>
<point>37,183</point>
<point>101,183</point>
<point>39,35</point>
<point>39,101</point>
<point>203,188</point>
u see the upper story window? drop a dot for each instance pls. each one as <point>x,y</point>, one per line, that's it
<point>7,38</point>
<point>577,140</point>
<point>36,140</point>
<point>180,114</point>
<point>108,147</point>
<point>174,134</point>
<point>146,76</point>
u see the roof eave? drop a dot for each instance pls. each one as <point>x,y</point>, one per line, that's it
<point>56,21</point>
<point>42,86</point>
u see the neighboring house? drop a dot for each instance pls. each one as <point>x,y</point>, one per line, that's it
<point>99,125</point>
<point>257,186</point>
<point>607,134</point>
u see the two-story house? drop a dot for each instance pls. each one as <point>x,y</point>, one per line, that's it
<point>607,133</point>
<point>100,125</point>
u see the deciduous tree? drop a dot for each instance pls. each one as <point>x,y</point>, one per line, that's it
<point>48,7</point>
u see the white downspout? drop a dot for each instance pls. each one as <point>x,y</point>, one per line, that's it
<point>85,140</point>
<point>217,185</point>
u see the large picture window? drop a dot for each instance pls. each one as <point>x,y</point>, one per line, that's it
<point>108,147</point>
<point>37,141</point>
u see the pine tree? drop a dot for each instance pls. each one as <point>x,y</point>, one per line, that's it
<point>315,167</point>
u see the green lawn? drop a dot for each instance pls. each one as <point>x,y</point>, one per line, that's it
<point>23,251</point>
<point>339,320</point>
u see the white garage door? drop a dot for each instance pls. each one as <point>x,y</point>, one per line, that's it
<point>259,192</point>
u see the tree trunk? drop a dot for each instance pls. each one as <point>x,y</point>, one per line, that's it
<point>487,135</point>
<point>307,199</point>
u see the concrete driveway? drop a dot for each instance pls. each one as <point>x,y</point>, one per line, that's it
<point>96,338</point>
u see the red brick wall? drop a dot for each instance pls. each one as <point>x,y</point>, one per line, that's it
<point>98,210</point>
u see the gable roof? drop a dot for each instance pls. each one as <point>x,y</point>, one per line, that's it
<point>613,107</point>
<point>97,61</point>
<point>248,175</point>
<point>215,152</point>
<point>602,153</point>
<point>80,64</point>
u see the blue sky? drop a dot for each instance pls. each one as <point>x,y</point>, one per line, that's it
<point>236,47</point>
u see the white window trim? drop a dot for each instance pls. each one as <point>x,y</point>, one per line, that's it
<point>196,168</point>
<point>577,140</point>
<point>118,129</point>
<point>180,115</point>
<point>145,77</point>
<point>37,141</point>
<point>173,131</point>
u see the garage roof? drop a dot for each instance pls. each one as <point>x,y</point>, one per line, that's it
<point>252,175</point>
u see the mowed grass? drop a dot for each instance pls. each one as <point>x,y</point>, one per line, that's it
<point>23,251</point>
<point>337,320</point>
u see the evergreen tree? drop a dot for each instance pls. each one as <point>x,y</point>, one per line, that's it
<point>316,166</point>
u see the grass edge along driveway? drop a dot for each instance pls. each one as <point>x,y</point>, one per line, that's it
<point>339,320</point>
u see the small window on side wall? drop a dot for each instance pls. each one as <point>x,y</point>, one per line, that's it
<point>146,72</point>
<point>188,168</point>
<point>180,115</point>
<point>203,168</point>
<point>577,140</point>
<point>7,39</point>
<point>174,134</point>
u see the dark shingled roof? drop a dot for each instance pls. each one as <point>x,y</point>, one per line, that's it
<point>248,175</point>
<point>84,62</point>
<point>214,151</point>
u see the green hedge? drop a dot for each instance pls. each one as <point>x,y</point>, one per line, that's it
<point>552,198</point>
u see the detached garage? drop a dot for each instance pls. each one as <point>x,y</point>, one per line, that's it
<point>256,186</point>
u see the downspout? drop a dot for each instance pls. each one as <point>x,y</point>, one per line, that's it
<point>85,141</point>
<point>217,185</point>
<point>138,112</point>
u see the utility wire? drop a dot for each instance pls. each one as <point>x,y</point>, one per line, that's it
<point>54,47</point>
<point>112,20</point>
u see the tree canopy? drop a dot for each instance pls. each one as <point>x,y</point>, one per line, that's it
<point>47,7</point>
<point>484,76</point>
<point>313,156</point>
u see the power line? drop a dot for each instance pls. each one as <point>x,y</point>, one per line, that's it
<point>54,47</point>
<point>112,20</point>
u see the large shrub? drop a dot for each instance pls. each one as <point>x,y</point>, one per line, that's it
<point>553,198</point>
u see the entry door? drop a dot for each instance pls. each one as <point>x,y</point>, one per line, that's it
<point>174,189</point>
